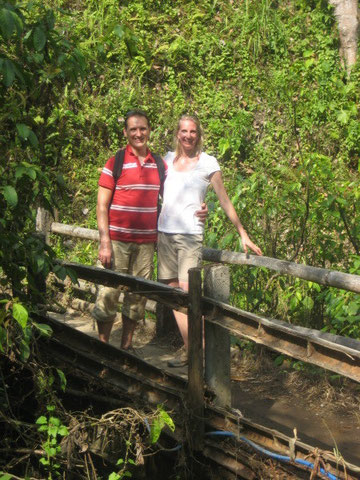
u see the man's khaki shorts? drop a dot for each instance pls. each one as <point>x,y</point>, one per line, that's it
<point>134,259</point>
<point>177,253</point>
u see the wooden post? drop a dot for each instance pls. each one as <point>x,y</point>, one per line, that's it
<point>165,322</point>
<point>43,223</point>
<point>195,398</point>
<point>217,338</point>
<point>36,280</point>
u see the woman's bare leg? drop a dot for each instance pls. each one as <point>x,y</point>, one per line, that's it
<point>181,318</point>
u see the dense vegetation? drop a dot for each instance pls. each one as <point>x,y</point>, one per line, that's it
<point>278,111</point>
<point>277,108</point>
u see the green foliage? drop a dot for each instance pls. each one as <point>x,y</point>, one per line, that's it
<point>122,473</point>
<point>342,310</point>
<point>266,81</point>
<point>37,61</point>
<point>16,330</point>
<point>161,419</point>
<point>5,476</point>
<point>277,109</point>
<point>47,381</point>
<point>54,431</point>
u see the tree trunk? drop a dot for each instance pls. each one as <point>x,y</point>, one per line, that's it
<point>347,16</point>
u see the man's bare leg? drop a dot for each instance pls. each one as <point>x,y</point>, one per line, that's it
<point>104,329</point>
<point>128,329</point>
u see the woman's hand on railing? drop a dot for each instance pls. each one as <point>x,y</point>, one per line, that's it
<point>247,243</point>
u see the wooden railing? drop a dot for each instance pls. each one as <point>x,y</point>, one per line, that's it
<point>332,352</point>
<point>322,276</point>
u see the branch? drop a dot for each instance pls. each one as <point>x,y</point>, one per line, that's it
<point>29,451</point>
<point>14,477</point>
<point>351,238</point>
<point>307,202</point>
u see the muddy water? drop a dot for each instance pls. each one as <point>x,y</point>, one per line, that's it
<point>319,428</point>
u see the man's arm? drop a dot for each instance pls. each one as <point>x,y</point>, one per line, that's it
<point>102,214</point>
<point>203,213</point>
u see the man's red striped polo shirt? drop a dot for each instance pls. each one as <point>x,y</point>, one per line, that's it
<point>133,212</point>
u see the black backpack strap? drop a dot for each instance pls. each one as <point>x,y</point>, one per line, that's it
<point>160,166</point>
<point>161,169</point>
<point>118,164</point>
<point>117,169</point>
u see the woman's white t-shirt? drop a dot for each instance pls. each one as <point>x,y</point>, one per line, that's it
<point>184,192</point>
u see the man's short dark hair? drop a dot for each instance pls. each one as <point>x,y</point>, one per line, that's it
<point>136,113</point>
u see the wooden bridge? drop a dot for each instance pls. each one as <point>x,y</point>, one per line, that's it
<point>207,391</point>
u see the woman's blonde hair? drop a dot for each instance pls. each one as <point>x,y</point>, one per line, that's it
<point>199,143</point>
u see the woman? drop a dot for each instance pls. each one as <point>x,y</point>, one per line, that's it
<point>190,172</point>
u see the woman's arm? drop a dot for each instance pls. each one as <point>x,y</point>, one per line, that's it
<point>227,206</point>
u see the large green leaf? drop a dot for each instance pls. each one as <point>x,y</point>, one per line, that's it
<point>41,420</point>
<point>72,274</point>
<point>20,314</point>
<point>343,117</point>
<point>26,133</point>
<point>308,302</point>
<point>60,180</point>
<point>119,31</point>
<point>8,71</point>
<point>24,350</point>
<point>18,73</point>
<point>162,419</point>
<point>62,379</point>
<point>33,139</point>
<point>39,38</point>
<point>22,170</point>
<point>10,195</point>
<point>60,272</point>
<point>114,476</point>
<point>23,130</point>
<point>167,420</point>
<point>63,431</point>
<point>155,431</point>
<point>3,339</point>
<point>44,329</point>
<point>5,476</point>
<point>10,22</point>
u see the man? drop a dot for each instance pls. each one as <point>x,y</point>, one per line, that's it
<point>127,217</point>
<point>127,223</point>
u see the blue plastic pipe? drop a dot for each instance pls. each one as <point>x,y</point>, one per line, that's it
<point>276,456</point>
